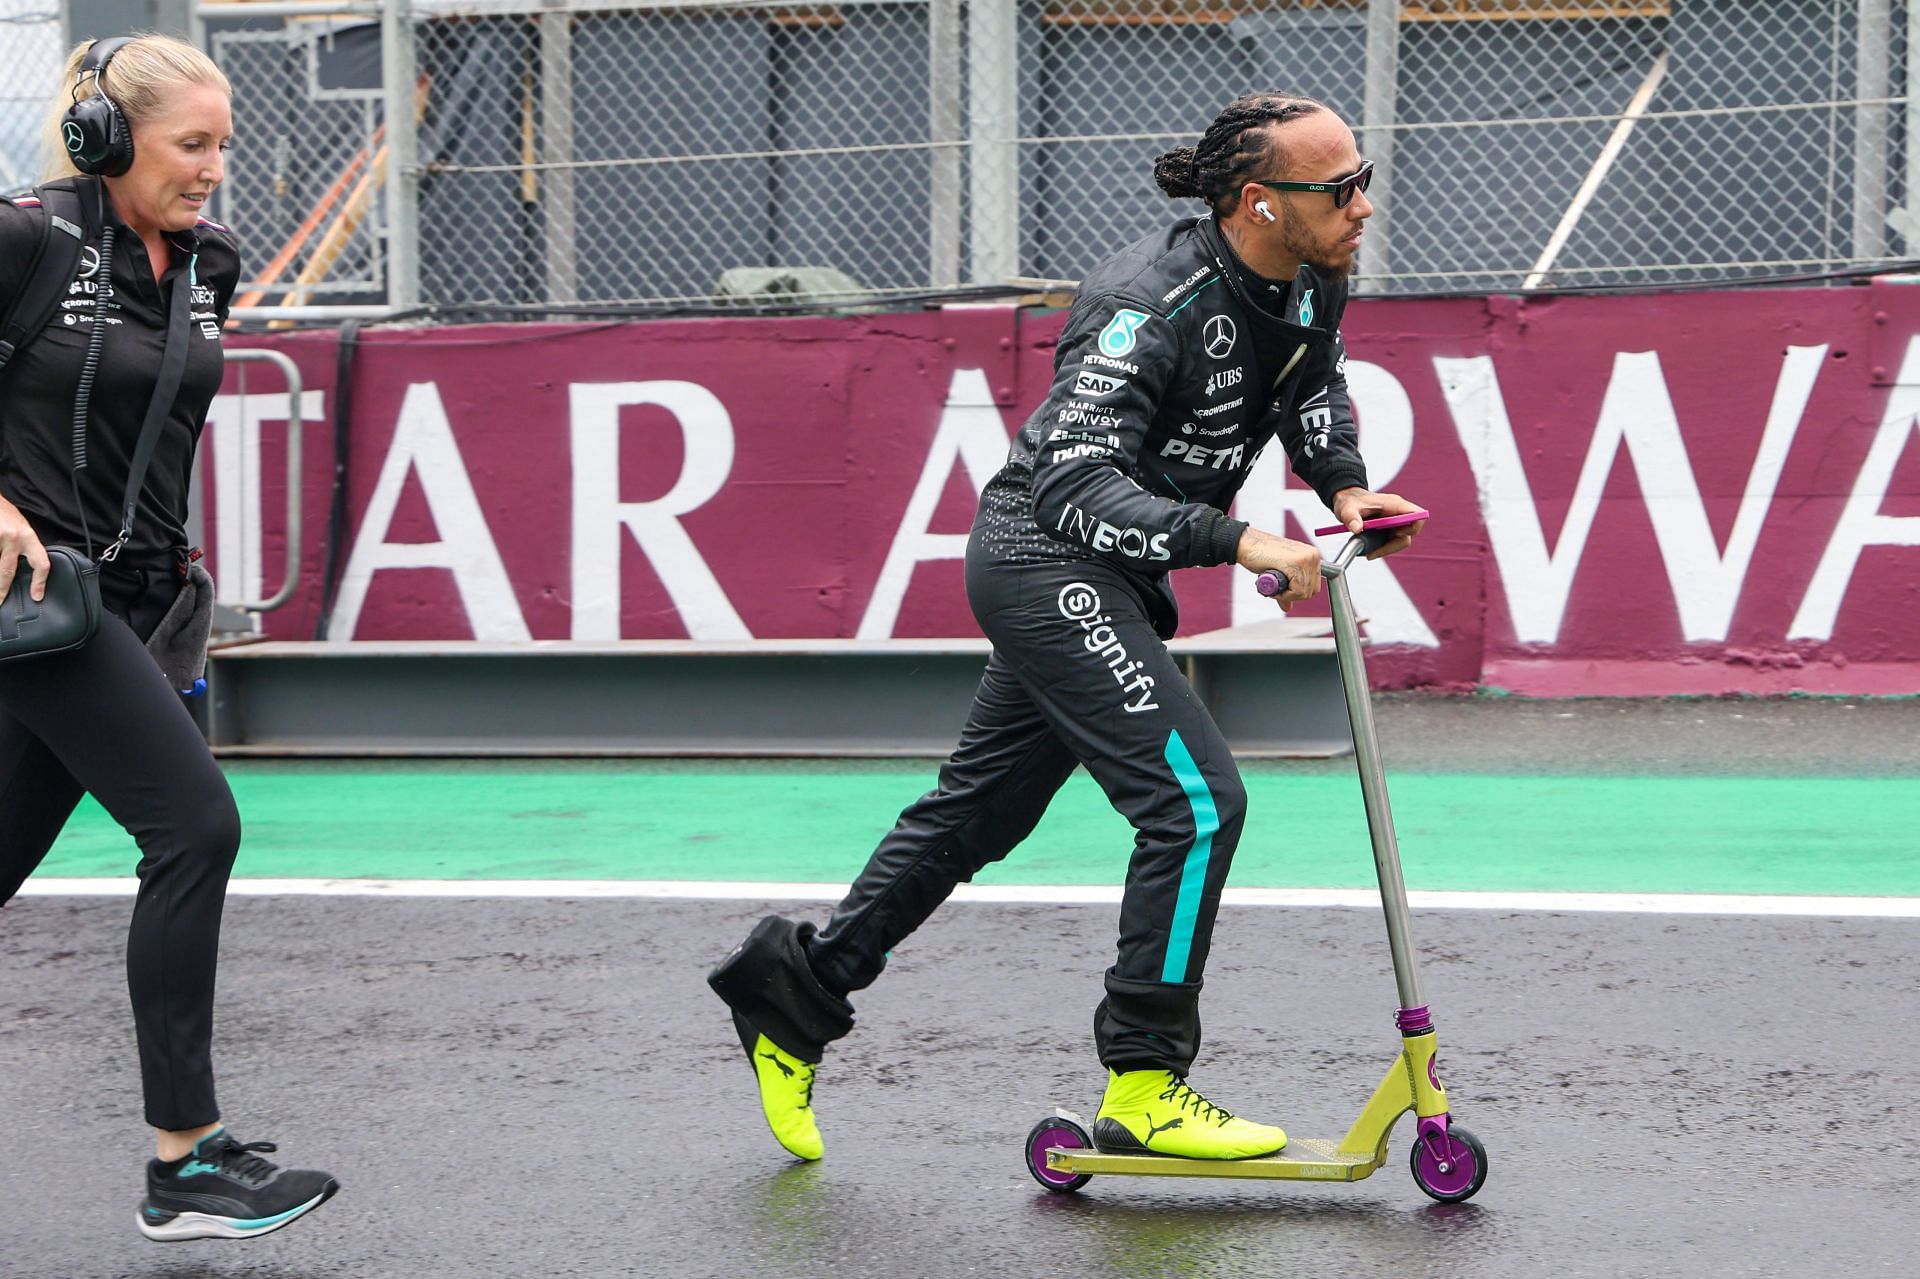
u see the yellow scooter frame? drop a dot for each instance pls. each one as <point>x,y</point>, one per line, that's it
<point>1448,1162</point>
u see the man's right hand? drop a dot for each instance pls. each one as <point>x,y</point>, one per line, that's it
<point>18,541</point>
<point>1298,562</point>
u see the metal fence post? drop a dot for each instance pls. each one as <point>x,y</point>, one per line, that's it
<point>993,107</point>
<point>1873,46</point>
<point>397,77</point>
<point>556,149</point>
<point>943,127</point>
<point>1376,143</point>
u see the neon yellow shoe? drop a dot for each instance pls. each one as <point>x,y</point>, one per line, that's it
<point>1155,1111</point>
<point>786,1093</point>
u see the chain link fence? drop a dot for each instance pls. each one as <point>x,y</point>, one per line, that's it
<point>533,154</point>
<point>32,43</point>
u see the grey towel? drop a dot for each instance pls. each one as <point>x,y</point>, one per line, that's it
<point>179,643</point>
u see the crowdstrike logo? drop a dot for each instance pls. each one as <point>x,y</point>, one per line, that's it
<point>1080,604</point>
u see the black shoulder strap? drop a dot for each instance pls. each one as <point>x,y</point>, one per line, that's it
<point>55,261</point>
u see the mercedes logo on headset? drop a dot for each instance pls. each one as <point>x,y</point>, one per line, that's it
<point>1220,335</point>
<point>71,135</point>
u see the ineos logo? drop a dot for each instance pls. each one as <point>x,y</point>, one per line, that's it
<point>1220,335</point>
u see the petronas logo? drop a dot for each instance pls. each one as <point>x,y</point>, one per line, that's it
<point>1306,310</point>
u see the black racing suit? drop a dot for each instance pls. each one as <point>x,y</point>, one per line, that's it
<point>1175,369</point>
<point>101,719</point>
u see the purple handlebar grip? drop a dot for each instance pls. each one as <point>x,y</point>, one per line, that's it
<point>1269,583</point>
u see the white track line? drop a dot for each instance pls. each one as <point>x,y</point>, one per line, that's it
<point>1635,903</point>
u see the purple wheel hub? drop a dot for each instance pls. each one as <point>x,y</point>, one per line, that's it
<point>1439,1148</point>
<point>1043,1139</point>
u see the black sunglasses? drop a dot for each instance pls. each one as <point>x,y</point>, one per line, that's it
<point>1342,191</point>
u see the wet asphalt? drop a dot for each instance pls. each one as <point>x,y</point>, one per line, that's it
<point>546,1088</point>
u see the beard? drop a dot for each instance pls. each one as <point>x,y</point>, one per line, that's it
<point>1328,261</point>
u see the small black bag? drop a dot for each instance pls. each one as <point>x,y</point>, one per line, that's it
<point>64,620</point>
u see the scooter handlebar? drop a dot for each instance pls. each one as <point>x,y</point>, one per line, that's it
<point>1373,535</point>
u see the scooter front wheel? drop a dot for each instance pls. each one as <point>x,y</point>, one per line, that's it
<point>1451,1174</point>
<point>1056,1131</point>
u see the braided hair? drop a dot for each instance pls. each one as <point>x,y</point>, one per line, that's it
<point>1232,152</point>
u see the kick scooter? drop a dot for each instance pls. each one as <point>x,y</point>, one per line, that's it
<point>1447,1161</point>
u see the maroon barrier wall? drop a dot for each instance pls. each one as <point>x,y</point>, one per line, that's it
<point>1703,492</point>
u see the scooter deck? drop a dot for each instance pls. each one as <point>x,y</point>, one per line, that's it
<point>1304,1159</point>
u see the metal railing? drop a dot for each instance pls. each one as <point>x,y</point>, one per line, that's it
<point>604,154</point>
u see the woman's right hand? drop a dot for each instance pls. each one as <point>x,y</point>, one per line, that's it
<point>1298,562</point>
<point>18,541</point>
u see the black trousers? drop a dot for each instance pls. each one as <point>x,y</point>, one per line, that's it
<point>102,720</point>
<point>1078,676</point>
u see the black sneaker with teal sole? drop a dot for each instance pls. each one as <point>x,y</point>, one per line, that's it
<point>225,1190</point>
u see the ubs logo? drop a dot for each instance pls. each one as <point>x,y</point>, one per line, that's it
<point>1220,336</point>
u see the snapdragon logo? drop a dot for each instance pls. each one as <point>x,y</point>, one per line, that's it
<point>1080,604</point>
<point>1117,338</point>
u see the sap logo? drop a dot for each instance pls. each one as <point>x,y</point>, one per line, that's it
<point>1097,386</point>
<point>1221,379</point>
<point>1221,459</point>
<point>1095,532</point>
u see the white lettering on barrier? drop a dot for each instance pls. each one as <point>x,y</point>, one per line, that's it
<point>971,432</point>
<point>1385,414</point>
<point>423,443</point>
<point>1861,524</point>
<point>233,427</point>
<point>600,517</point>
<point>1637,413</point>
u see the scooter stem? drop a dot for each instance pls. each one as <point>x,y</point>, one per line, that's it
<point>1373,781</point>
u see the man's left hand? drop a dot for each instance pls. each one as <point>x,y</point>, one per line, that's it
<point>1355,505</point>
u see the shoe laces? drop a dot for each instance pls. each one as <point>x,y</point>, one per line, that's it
<point>243,1163</point>
<point>1184,1097</point>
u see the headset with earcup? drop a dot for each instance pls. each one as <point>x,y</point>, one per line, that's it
<point>95,129</point>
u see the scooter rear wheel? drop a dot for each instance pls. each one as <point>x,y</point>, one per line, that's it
<point>1465,1171</point>
<point>1056,1130</point>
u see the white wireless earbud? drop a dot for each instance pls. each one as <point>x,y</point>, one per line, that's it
<point>1262,209</point>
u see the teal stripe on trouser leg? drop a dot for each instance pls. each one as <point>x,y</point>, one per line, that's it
<point>1193,876</point>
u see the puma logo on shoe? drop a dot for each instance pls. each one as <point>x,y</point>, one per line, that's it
<point>784,1068</point>
<point>1153,1128</point>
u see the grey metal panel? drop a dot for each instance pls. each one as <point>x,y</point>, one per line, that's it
<point>1114,79</point>
<point>473,117</point>
<point>846,211</point>
<point>1670,185</point>
<point>621,206</point>
<point>1453,206</point>
<point>900,699</point>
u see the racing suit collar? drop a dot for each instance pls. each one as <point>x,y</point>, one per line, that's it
<point>1272,300</point>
